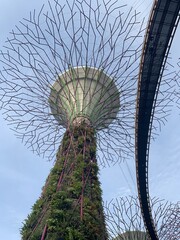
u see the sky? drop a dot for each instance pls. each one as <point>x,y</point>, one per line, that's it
<point>22,174</point>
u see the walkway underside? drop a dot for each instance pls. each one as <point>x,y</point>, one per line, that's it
<point>160,32</point>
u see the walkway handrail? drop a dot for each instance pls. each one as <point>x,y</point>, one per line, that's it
<point>161,28</point>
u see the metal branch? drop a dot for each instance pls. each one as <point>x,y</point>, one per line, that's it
<point>124,219</point>
<point>61,36</point>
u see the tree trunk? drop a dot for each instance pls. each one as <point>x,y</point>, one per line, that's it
<point>70,207</point>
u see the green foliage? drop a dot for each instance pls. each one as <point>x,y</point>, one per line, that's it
<point>59,205</point>
<point>92,151</point>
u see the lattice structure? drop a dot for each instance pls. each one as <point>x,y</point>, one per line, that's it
<point>170,228</point>
<point>69,74</point>
<point>176,79</point>
<point>161,28</point>
<point>125,222</point>
<point>64,36</point>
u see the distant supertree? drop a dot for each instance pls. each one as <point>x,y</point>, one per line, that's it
<point>69,74</point>
<point>177,80</point>
<point>125,222</point>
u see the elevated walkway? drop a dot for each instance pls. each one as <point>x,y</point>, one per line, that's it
<point>161,28</point>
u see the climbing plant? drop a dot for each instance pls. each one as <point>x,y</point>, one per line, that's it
<point>70,207</point>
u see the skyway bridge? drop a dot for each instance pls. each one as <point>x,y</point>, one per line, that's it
<point>161,28</point>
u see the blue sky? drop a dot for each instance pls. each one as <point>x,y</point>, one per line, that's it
<point>22,174</point>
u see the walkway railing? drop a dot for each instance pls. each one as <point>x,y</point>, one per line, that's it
<point>161,28</point>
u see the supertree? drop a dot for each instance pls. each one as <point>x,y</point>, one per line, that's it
<point>125,222</point>
<point>69,75</point>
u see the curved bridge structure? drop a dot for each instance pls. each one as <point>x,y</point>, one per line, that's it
<point>161,28</point>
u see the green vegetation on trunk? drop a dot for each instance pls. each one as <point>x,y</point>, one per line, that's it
<point>70,207</point>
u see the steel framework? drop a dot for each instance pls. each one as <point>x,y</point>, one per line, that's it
<point>162,25</point>
<point>49,43</point>
<point>125,221</point>
<point>69,64</point>
<point>64,36</point>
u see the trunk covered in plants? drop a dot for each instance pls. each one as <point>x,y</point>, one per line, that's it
<point>70,207</point>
